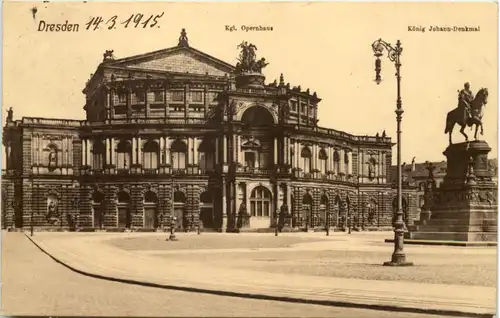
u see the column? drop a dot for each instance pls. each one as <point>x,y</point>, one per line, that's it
<point>342,161</point>
<point>205,101</point>
<point>329,159</point>
<point>384,167</point>
<point>107,156</point>
<point>360,165</point>
<point>238,152</point>
<point>134,152</point>
<point>112,152</point>
<point>40,151</point>
<point>165,99</point>
<point>195,151</point>
<point>315,153</point>
<point>186,101</point>
<point>349,165</point>
<point>87,151</point>
<point>167,150</point>
<point>162,149</point>
<point>139,150</point>
<point>224,146</point>
<point>112,103</point>
<point>286,150</point>
<point>298,149</point>
<point>234,148</point>
<point>275,150</point>
<point>84,151</point>
<point>217,150</point>
<point>63,150</point>
<point>71,150</point>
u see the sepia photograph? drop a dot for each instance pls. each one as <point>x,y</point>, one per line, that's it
<point>249,159</point>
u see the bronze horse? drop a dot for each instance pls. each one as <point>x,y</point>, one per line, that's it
<point>459,115</point>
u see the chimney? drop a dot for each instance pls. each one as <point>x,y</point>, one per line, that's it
<point>413,164</point>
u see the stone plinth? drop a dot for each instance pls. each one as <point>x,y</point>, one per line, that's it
<point>465,207</point>
<point>250,80</point>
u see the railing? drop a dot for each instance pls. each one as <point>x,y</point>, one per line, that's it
<point>179,171</point>
<point>152,121</point>
<point>187,121</point>
<point>150,171</point>
<point>336,133</point>
<point>252,170</point>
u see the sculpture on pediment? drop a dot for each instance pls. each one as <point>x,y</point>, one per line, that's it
<point>10,115</point>
<point>469,112</point>
<point>108,55</point>
<point>183,39</point>
<point>247,61</point>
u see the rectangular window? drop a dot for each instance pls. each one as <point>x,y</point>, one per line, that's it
<point>158,96</point>
<point>123,160</point>
<point>150,160</point>
<point>197,97</point>
<point>266,209</point>
<point>179,160</point>
<point>98,161</point>
<point>250,159</point>
<point>303,108</point>
<point>178,96</point>
<point>122,98</point>
<point>139,97</point>
<point>293,105</point>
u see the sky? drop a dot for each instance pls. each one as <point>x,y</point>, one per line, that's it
<point>322,46</point>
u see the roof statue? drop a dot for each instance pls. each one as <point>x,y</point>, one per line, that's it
<point>10,115</point>
<point>108,55</point>
<point>183,39</point>
<point>469,111</point>
<point>247,61</point>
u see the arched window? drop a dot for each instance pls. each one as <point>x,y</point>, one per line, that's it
<point>98,209</point>
<point>336,162</point>
<point>98,155</point>
<point>206,155</point>
<point>150,210</point>
<point>257,116</point>
<point>123,154</point>
<point>179,209</point>
<point>339,221</point>
<point>323,157</point>
<point>123,207</point>
<point>151,155</point>
<point>323,209</point>
<point>179,154</point>
<point>346,162</point>
<point>206,209</point>
<point>305,154</point>
<point>307,202</point>
<point>260,202</point>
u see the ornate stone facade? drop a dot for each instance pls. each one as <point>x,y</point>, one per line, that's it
<point>180,133</point>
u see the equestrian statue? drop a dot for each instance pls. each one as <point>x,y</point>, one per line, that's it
<point>247,62</point>
<point>468,112</point>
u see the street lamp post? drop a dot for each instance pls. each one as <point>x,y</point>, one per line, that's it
<point>394,55</point>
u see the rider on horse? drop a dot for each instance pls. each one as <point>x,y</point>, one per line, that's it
<point>466,97</point>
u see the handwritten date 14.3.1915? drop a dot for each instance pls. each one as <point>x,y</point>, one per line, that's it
<point>136,20</point>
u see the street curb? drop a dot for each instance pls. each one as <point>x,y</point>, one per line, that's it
<point>331,303</point>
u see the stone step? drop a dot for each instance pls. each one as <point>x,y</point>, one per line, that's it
<point>455,236</point>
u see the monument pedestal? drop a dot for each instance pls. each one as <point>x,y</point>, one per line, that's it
<point>465,207</point>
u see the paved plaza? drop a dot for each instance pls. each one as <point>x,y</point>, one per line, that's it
<point>341,269</point>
